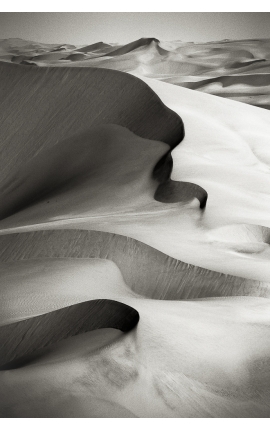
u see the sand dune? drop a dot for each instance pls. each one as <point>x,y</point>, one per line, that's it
<point>94,47</point>
<point>214,67</point>
<point>99,366</point>
<point>133,46</point>
<point>145,270</point>
<point>105,171</point>
<point>29,335</point>
<point>24,283</point>
<point>113,212</point>
<point>56,107</point>
<point>217,375</point>
<point>237,188</point>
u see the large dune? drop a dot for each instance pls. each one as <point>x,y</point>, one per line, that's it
<point>61,103</point>
<point>146,271</point>
<point>134,227</point>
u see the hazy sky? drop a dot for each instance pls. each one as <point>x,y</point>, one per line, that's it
<point>88,27</point>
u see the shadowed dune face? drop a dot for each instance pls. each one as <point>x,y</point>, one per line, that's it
<point>169,192</point>
<point>34,287</point>
<point>183,371</point>
<point>61,103</point>
<point>29,335</point>
<point>106,170</point>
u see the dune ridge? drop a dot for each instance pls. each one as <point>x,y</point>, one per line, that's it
<point>218,67</point>
<point>221,147</point>
<point>27,336</point>
<point>65,102</point>
<point>121,180</point>
<point>146,271</point>
<point>98,364</point>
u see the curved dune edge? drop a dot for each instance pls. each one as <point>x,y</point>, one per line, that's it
<point>147,271</point>
<point>53,84</point>
<point>50,104</point>
<point>94,47</point>
<point>169,192</point>
<point>27,336</point>
<point>104,170</point>
<point>144,41</point>
<point>179,362</point>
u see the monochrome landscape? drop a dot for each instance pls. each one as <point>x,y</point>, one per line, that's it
<point>135,229</point>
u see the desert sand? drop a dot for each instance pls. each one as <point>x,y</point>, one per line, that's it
<point>134,229</point>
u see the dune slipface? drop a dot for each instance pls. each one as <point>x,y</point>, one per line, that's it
<point>25,337</point>
<point>50,104</point>
<point>106,170</point>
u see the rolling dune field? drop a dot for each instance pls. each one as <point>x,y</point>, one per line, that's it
<point>135,229</point>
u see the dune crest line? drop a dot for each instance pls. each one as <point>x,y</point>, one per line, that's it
<point>27,336</point>
<point>152,274</point>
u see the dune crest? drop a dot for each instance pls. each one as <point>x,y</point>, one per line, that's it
<point>231,69</point>
<point>106,170</point>
<point>152,274</point>
<point>29,335</point>
<point>73,100</point>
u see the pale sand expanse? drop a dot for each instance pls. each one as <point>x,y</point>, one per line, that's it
<point>205,357</point>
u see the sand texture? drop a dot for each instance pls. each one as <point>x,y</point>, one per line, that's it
<point>134,229</point>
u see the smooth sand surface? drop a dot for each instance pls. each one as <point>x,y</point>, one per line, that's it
<point>112,213</point>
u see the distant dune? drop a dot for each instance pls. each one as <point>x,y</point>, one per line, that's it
<point>94,47</point>
<point>217,67</point>
<point>134,229</point>
<point>132,46</point>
